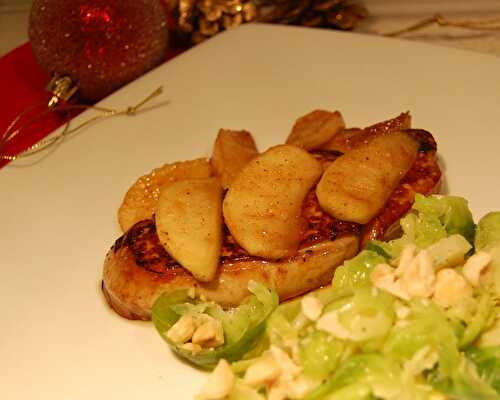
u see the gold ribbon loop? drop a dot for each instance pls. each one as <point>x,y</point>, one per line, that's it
<point>480,25</point>
<point>15,128</point>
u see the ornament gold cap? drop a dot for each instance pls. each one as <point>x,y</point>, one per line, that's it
<point>62,88</point>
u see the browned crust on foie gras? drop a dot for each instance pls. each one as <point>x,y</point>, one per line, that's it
<point>137,270</point>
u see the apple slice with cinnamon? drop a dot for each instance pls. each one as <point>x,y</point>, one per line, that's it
<point>189,224</point>
<point>357,185</point>
<point>262,207</point>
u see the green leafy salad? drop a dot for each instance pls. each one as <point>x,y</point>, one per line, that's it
<point>414,318</point>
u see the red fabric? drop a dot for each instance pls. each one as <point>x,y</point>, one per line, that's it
<point>23,86</point>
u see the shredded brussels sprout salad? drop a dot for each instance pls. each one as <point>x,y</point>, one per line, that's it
<point>413,318</point>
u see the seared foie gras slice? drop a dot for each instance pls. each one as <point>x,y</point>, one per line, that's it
<point>137,270</point>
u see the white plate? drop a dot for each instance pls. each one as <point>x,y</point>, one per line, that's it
<point>58,338</point>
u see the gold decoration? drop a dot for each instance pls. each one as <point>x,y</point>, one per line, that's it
<point>336,14</point>
<point>62,88</point>
<point>201,19</point>
<point>16,127</point>
<point>438,19</point>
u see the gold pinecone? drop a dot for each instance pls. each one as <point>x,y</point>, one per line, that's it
<point>201,19</point>
<point>336,14</point>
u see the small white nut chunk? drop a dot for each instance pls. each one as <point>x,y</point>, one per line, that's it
<point>330,323</point>
<point>381,271</point>
<point>299,387</point>
<point>277,392</point>
<point>476,266</point>
<point>418,278</point>
<point>450,287</point>
<point>191,347</point>
<point>311,307</point>
<point>219,383</point>
<point>182,330</point>
<point>289,369</point>
<point>402,311</point>
<point>405,259</point>
<point>209,333</point>
<point>262,372</point>
<point>383,277</point>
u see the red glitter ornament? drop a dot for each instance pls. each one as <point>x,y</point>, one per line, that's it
<point>100,44</point>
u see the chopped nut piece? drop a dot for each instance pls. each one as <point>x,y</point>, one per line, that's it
<point>401,310</point>
<point>330,323</point>
<point>311,307</point>
<point>476,266</point>
<point>289,369</point>
<point>418,278</point>
<point>450,287</point>
<point>182,330</point>
<point>299,387</point>
<point>405,259</point>
<point>380,271</point>
<point>263,371</point>
<point>383,277</point>
<point>277,392</point>
<point>209,334</point>
<point>219,383</point>
<point>193,348</point>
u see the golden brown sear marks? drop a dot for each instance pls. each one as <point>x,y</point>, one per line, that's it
<point>232,251</point>
<point>149,254</point>
<point>320,226</point>
<point>142,239</point>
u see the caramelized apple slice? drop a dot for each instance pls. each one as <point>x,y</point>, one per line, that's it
<point>343,141</point>
<point>140,200</point>
<point>262,208</point>
<point>315,129</point>
<point>189,224</point>
<point>232,151</point>
<point>348,139</point>
<point>356,186</point>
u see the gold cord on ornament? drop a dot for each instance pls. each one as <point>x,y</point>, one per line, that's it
<point>438,19</point>
<point>11,132</point>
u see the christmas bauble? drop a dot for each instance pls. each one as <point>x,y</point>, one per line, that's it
<point>100,44</point>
